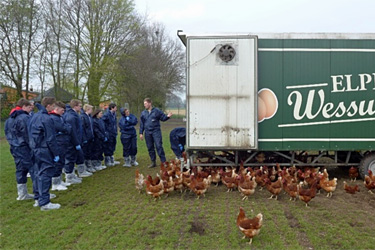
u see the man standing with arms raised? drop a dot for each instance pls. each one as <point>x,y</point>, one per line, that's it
<point>150,125</point>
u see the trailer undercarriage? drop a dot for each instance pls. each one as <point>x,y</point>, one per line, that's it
<point>364,160</point>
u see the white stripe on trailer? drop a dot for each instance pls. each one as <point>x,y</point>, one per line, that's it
<point>317,139</point>
<point>314,85</point>
<point>314,50</point>
<point>325,122</point>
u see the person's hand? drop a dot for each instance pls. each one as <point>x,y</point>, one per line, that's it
<point>181,147</point>
<point>56,159</point>
<point>127,118</point>
<point>105,139</point>
<point>169,114</point>
<point>141,137</point>
<point>78,147</point>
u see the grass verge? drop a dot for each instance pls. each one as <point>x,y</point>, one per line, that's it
<point>107,212</point>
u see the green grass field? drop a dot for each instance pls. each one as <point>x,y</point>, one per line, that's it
<point>107,212</point>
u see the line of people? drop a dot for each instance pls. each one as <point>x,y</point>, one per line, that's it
<point>58,138</point>
<point>64,137</point>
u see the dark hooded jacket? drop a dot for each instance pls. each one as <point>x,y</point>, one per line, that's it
<point>21,123</point>
<point>126,125</point>
<point>99,129</point>
<point>42,132</point>
<point>16,128</point>
<point>62,128</point>
<point>110,121</point>
<point>72,118</point>
<point>87,127</point>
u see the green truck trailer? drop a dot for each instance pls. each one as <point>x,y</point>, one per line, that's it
<point>292,99</point>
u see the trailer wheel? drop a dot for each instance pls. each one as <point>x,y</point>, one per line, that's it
<point>367,163</point>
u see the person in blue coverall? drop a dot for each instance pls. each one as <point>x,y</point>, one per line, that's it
<point>150,125</point>
<point>100,136</point>
<point>128,137</point>
<point>42,141</point>
<point>63,131</point>
<point>74,154</point>
<point>17,135</point>
<point>110,122</point>
<point>177,138</point>
<point>87,136</point>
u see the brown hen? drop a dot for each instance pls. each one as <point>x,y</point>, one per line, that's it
<point>249,227</point>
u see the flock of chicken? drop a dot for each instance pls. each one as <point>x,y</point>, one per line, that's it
<point>297,183</point>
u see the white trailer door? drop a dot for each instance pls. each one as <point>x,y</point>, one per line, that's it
<point>222,92</point>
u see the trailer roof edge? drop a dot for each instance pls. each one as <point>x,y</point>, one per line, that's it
<point>350,36</point>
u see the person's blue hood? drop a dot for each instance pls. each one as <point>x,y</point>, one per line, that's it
<point>122,111</point>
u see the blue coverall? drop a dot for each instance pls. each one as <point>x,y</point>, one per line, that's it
<point>63,131</point>
<point>150,125</point>
<point>42,141</point>
<point>110,124</point>
<point>87,135</point>
<point>73,156</point>
<point>128,134</point>
<point>177,137</point>
<point>99,138</point>
<point>17,135</point>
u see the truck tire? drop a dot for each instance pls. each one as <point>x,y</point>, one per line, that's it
<point>368,162</point>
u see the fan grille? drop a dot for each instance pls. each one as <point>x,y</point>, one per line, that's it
<point>227,53</point>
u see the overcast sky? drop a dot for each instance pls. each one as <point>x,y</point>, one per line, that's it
<point>263,16</point>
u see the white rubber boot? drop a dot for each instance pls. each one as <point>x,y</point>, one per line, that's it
<point>50,206</point>
<point>82,171</point>
<point>22,193</point>
<point>90,166</point>
<point>127,162</point>
<point>102,166</point>
<point>97,165</point>
<point>75,175</point>
<point>108,161</point>
<point>114,163</point>
<point>56,184</point>
<point>71,178</point>
<point>133,161</point>
<point>64,183</point>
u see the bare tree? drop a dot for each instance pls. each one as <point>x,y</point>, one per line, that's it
<point>19,26</point>
<point>100,49</point>
<point>52,12</point>
<point>41,65</point>
<point>109,27</point>
<point>73,21</point>
<point>153,68</point>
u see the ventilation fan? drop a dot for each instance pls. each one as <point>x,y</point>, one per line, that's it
<point>227,53</point>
